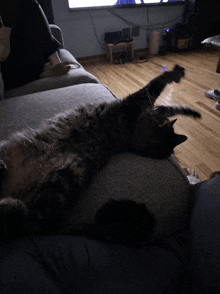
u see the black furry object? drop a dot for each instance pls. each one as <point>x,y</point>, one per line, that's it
<point>125,222</point>
<point>120,222</point>
<point>14,213</point>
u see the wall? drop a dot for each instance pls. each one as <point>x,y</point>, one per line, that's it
<point>84,30</point>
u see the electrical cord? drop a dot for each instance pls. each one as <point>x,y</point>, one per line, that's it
<point>130,23</point>
<point>100,43</point>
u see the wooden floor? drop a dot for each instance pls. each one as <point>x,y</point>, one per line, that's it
<point>201,151</point>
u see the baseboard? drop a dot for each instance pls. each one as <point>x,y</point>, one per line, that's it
<point>138,53</point>
<point>92,58</point>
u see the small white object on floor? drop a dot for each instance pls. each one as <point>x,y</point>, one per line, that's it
<point>193,180</point>
<point>212,94</point>
<point>217,105</point>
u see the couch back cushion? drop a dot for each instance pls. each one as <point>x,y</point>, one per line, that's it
<point>160,184</point>
<point>29,110</point>
<point>77,75</point>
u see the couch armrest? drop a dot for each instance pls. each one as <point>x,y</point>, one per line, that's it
<point>56,31</point>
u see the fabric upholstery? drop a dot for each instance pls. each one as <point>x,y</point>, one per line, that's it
<point>205,227</point>
<point>61,264</point>
<point>160,184</point>
<point>77,75</point>
<point>29,110</point>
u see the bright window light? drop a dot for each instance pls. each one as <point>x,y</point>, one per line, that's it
<point>89,3</point>
<point>99,3</point>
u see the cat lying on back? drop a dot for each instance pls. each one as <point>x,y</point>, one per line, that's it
<point>44,171</point>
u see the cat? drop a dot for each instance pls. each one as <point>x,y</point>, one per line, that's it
<point>44,171</point>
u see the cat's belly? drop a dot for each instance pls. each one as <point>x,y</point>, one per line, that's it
<point>25,171</point>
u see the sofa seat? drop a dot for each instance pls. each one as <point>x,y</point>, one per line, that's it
<point>77,75</point>
<point>29,110</point>
<point>65,264</point>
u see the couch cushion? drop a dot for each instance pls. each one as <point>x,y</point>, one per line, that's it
<point>77,75</point>
<point>205,228</point>
<point>78,265</point>
<point>160,184</point>
<point>30,110</point>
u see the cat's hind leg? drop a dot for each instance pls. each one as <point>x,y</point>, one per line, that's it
<point>13,219</point>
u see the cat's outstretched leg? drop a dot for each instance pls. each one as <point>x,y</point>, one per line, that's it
<point>171,110</point>
<point>148,95</point>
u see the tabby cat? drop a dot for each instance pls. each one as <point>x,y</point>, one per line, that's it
<point>44,171</point>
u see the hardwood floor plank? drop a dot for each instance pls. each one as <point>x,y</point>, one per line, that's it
<point>201,151</point>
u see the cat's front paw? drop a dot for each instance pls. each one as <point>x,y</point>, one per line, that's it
<point>178,73</point>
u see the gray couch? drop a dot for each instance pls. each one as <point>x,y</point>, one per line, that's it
<point>68,264</point>
<point>76,76</point>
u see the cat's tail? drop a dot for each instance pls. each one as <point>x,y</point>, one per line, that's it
<point>171,110</point>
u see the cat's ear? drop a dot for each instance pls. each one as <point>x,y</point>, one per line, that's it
<point>168,124</point>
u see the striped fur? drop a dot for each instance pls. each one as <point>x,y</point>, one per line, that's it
<point>44,171</point>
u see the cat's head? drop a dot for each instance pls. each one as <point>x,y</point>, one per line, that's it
<point>155,136</point>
